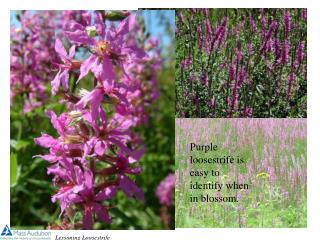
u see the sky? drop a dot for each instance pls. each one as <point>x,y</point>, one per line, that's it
<point>152,18</point>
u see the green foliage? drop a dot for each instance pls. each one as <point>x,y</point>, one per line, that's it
<point>13,169</point>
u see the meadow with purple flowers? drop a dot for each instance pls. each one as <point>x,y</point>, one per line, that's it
<point>91,133</point>
<point>275,168</point>
<point>241,63</point>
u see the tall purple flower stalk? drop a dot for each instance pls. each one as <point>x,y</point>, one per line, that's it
<point>96,152</point>
<point>287,22</point>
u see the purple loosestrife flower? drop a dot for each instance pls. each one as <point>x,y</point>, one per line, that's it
<point>181,17</point>
<point>223,65</point>
<point>242,76</point>
<point>211,103</point>
<point>69,63</point>
<point>272,28</point>
<point>285,52</point>
<point>239,53</point>
<point>193,10</point>
<point>263,21</point>
<point>252,24</point>
<point>272,176</point>
<point>31,48</point>
<point>232,71</point>
<point>304,14</point>
<point>277,49</point>
<point>200,37</point>
<point>247,112</point>
<point>287,22</point>
<point>93,156</point>
<point>220,32</point>
<point>107,46</point>
<point>187,62</point>
<point>250,48</point>
<point>208,24</point>
<point>165,190</point>
<point>204,79</point>
<point>299,54</point>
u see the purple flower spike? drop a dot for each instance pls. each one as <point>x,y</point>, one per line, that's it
<point>97,148</point>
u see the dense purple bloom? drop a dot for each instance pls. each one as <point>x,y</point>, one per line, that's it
<point>32,51</point>
<point>238,57</point>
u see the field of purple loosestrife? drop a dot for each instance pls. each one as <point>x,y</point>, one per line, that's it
<point>275,168</point>
<point>241,63</point>
<point>92,137</point>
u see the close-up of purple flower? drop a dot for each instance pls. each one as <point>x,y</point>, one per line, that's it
<point>69,63</point>
<point>105,78</point>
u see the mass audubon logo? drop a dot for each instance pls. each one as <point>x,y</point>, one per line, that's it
<point>6,231</point>
<point>9,234</point>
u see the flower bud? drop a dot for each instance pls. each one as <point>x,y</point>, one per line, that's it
<point>18,30</point>
<point>69,139</point>
<point>116,15</point>
<point>83,92</point>
<point>91,31</point>
<point>75,114</point>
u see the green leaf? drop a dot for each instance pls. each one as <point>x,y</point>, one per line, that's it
<point>259,88</point>
<point>13,143</point>
<point>18,145</point>
<point>115,15</point>
<point>22,144</point>
<point>13,169</point>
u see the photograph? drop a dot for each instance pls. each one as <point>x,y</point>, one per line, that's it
<point>241,173</point>
<point>241,63</point>
<point>92,119</point>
